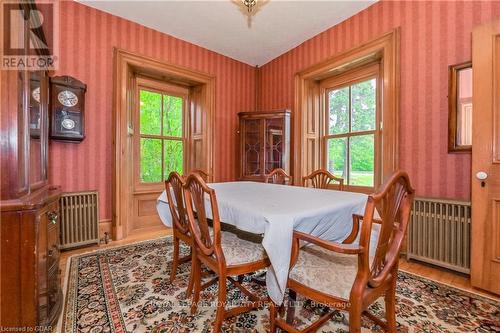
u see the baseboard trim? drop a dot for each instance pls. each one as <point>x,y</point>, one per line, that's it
<point>105,226</point>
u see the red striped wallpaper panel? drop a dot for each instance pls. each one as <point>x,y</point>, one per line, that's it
<point>87,40</point>
<point>434,34</point>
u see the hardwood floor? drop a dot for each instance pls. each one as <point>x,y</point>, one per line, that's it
<point>443,276</point>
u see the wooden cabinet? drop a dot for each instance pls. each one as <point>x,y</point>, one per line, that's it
<point>30,294</point>
<point>264,143</point>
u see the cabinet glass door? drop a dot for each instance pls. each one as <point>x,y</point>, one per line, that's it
<point>252,147</point>
<point>37,127</point>
<point>274,144</point>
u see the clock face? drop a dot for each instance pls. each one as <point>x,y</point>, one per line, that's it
<point>67,98</point>
<point>36,94</point>
<point>68,124</point>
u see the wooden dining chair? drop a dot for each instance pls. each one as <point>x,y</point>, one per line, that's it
<point>180,225</point>
<point>204,175</point>
<point>278,176</point>
<point>321,178</point>
<point>346,276</point>
<point>224,253</point>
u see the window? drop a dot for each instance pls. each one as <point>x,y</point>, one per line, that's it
<point>460,107</point>
<point>161,137</point>
<point>351,135</point>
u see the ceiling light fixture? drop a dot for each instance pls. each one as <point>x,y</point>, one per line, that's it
<point>250,8</point>
<point>250,4</point>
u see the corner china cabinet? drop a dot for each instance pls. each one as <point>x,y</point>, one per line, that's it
<point>30,295</point>
<point>264,143</point>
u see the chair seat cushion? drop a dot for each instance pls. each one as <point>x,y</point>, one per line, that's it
<point>239,251</point>
<point>326,271</point>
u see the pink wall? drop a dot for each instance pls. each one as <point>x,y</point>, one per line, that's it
<point>433,35</point>
<point>87,40</point>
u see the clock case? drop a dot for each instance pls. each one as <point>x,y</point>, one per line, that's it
<point>59,112</point>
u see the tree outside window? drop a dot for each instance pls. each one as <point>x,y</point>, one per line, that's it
<point>351,132</point>
<point>161,135</point>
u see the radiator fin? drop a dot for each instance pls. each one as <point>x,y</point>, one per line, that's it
<point>79,219</point>
<point>440,233</point>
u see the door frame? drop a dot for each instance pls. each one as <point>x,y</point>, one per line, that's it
<point>127,65</point>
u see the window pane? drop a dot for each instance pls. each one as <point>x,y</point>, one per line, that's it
<point>172,116</point>
<point>173,156</point>
<point>150,115</point>
<point>337,154</point>
<point>150,160</point>
<point>338,105</point>
<point>363,104</point>
<point>362,150</point>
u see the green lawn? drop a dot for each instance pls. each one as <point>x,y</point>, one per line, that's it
<point>359,178</point>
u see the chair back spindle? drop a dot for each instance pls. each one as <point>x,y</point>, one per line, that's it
<point>278,176</point>
<point>195,193</point>
<point>175,196</point>
<point>321,178</point>
<point>392,204</point>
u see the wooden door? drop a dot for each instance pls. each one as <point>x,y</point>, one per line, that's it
<point>485,260</point>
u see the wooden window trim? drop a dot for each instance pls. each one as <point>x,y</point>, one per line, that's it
<point>307,106</point>
<point>347,79</point>
<point>127,67</point>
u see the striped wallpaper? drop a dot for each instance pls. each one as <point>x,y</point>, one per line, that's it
<point>87,40</point>
<point>434,34</point>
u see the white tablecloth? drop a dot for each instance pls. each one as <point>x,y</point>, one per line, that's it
<point>275,211</point>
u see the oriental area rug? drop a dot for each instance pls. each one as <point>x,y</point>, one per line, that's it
<point>128,289</point>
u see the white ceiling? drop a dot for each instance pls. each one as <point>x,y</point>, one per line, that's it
<point>221,25</point>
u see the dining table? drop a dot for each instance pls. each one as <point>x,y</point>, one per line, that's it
<point>275,211</point>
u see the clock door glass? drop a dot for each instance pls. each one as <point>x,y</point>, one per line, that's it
<point>68,122</point>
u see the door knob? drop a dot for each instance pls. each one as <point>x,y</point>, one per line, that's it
<point>481,175</point>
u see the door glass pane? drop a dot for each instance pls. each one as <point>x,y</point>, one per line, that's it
<point>150,115</point>
<point>172,116</point>
<point>252,147</point>
<point>35,127</point>
<point>363,104</point>
<point>337,156</point>
<point>338,105</point>
<point>362,151</point>
<point>151,167</point>
<point>173,155</point>
<point>274,144</point>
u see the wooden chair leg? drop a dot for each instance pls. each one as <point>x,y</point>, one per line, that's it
<point>189,289</point>
<point>290,313</point>
<point>196,274</point>
<point>272,317</point>
<point>355,318</point>
<point>175,260</point>
<point>390,309</point>
<point>221,304</point>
